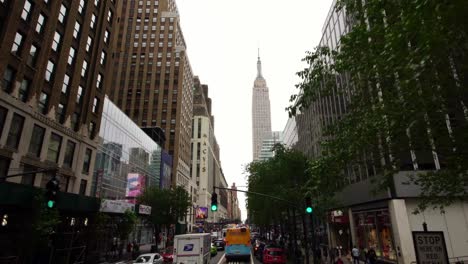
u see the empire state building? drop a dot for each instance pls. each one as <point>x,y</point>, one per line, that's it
<point>261,117</point>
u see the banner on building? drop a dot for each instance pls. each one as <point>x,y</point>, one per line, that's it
<point>201,212</point>
<point>115,206</point>
<point>135,184</point>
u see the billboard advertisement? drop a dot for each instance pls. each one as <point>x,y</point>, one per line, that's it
<point>166,170</point>
<point>135,184</point>
<point>201,212</point>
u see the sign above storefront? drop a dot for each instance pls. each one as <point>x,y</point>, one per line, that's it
<point>430,247</point>
<point>144,209</point>
<point>116,206</point>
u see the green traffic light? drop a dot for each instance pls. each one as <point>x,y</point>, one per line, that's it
<point>309,210</point>
<point>214,207</point>
<point>50,204</point>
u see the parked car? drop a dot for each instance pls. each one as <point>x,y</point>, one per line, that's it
<point>168,256</point>
<point>153,258</point>
<point>213,250</point>
<point>273,255</point>
<point>220,244</point>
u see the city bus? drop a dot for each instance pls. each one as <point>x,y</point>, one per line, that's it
<point>238,246</point>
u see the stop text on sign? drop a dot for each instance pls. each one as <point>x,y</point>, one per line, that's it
<point>430,247</point>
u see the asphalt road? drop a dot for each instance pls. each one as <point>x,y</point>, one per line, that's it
<point>220,259</point>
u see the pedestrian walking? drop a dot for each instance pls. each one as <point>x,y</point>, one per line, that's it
<point>325,254</point>
<point>372,256</point>
<point>355,254</point>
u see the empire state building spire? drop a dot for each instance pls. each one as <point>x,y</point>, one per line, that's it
<point>259,66</point>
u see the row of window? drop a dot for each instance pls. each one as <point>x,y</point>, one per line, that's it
<point>37,140</point>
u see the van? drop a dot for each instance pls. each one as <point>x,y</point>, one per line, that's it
<point>192,248</point>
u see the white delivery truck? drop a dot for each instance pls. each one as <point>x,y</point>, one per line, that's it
<point>192,248</point>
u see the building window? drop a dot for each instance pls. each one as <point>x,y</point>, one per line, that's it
<point>16,48</point>
<point>106,36</point>
<point>93,21</point>
<point>28,179</point>
<point>43,102</point>
<point>199,127</point>
<point>3,114</point>
<point>84,68</point>
<point>54,147</point>
<point>49,71</point>
<point>89,42</point>
<point>56,42</point>
<point>26,10</point>
<point>74,121</point>
<point>62,14</point>
<point>76,30</point>
<point>4,166</point>
<point>40,23</point>
<point>8,79</point>
<point>32,55</point>
<point>83,184</point>
<point>16,128</point>
<point>60,115</point>
<point>24,90</point>
<point>87,161</point>
<point>71,55</point>
<point>69,153</point>
<point>79,95</point>
<point>109,17</point>
<point>37,138</point>
<point>66,81</point>
<point>81,6</point>
<point>99,81</point>
<point>95,104</point>
<point>92,129</point>
<point>103,57</point>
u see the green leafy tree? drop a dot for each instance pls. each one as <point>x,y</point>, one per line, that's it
<point>126,224</point>
<point>403,67</point>
<point>167,205</point>
<point>282,176</point>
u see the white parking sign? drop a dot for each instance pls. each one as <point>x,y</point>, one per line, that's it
<point>430,247</point>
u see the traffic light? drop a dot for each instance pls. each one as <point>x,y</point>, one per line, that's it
<point>214,202</point>
<point>309,208</point>
<point>53,187</point>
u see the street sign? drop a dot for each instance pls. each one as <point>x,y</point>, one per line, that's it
<point>430,247</point>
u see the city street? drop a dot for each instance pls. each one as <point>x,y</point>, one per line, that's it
<point>220,259</point>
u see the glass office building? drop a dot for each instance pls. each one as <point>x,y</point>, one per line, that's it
<point>125,152</point>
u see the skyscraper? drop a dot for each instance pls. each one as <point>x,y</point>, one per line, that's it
<point>153,79</point>
<point>54,59</point>
<point>261,117</point>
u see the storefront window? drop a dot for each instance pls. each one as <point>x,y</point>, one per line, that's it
<point>373,230</point>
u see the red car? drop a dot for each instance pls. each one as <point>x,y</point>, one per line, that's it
<point>274,255</point>
<point>167,255</point>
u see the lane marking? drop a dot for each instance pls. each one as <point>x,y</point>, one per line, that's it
<point>251,259</point>
<point>221,259</point>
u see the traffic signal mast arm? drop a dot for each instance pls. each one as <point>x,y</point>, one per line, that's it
<point>260,194</point>
<point>29,172</point>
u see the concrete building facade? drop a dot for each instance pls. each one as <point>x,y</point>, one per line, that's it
<point>261,114</point>
<point>290,136</point>
<point>206,165</point>
<point>266,152</point>
<point>152,78</point>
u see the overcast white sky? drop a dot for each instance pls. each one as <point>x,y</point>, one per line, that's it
<point>222,38</point>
